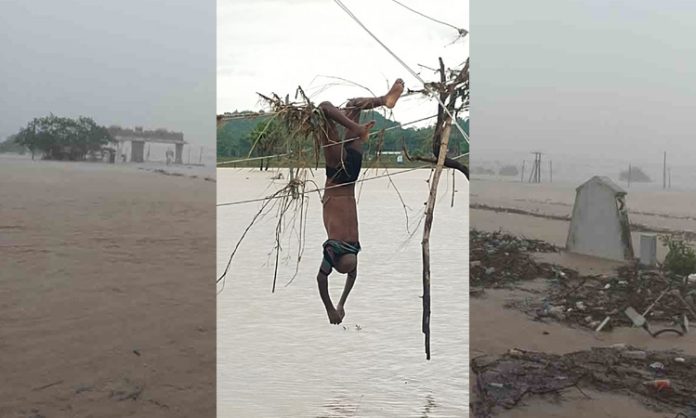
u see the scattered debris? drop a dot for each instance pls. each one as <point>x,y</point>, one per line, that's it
<point>597,302</point>
<point>48,385</point>
<point>655,378</point>
<point>167,173</point>
<point>83,388</point>
<point>498,259</point>
<point>127,390</point>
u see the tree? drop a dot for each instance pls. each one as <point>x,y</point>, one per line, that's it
<point>636,176</point>
<point>267,138</point>
<point>508,170</point>
<point>11,145</point>
<point>59,138</point>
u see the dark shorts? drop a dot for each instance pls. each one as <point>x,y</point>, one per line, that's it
<point>333,250</point>
<point>349,171</point>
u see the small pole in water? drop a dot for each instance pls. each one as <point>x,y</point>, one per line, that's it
<point>550,171</point>
<point>629,175</point>
<point>200,157</point>
<point>522,176</point>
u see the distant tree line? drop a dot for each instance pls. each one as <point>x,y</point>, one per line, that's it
<point>261,136</point>
<point>637,175</point>
<point>59,138</point>
<point>11,145</point>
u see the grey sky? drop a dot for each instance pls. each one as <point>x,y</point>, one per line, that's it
<point>592,78</point>
<point>274,46</point>
<point>149,63</point>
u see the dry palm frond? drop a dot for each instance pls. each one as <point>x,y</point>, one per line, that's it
<point>301,119</point>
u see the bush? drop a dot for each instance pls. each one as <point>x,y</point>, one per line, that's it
<point>681,258</point>
<point>508,170</point>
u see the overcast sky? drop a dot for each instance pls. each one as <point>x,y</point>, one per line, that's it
<point>273,46</point>
<point>593,78</point>
<point>149,63</point>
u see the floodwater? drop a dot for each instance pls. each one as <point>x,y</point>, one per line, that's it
<point>278,356</point>
<point>574,169</point>
<point>105,288</point>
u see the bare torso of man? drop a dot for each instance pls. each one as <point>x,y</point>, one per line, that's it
<point>340,212</point>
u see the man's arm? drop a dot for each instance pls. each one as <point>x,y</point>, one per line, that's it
<point>350,281</point>
<point>323,282</point>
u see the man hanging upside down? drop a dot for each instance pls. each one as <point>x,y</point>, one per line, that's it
<point>343,164</point>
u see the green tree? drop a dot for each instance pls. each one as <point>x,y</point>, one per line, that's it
<point>59,138</point>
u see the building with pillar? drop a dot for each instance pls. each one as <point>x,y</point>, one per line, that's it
<point>138,137</point>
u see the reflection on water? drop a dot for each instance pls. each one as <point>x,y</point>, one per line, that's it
<point>429,406</point>
<point>277,354</point>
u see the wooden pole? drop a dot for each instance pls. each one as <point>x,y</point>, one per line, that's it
<point>446,125</point>
<point>522,176</point>
<point>429,209</point>
<point>454,177</point>
<point>629,174</point>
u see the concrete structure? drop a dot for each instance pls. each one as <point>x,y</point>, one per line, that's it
<point>177,154</point>
<point>648,250</point>
<point>599,226</point>
<point>138,145</point>
<point>137,151</point>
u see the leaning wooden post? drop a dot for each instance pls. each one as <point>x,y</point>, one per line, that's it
<point>429,209</point>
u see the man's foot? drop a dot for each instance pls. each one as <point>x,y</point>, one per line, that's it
<point>341,312</point>
<point>334,316</point>
<point>394,93</point>
<point>365,133</point>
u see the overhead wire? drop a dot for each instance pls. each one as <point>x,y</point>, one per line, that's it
<point>319,189</point>
<point>462,32</point>
<point>409,69</point>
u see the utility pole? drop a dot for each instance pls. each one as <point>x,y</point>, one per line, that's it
<point>550,171</point>
<point>664,171</point>
<point>535,176</point>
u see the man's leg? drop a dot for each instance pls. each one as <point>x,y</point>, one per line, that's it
<point>323,282</point>
<point>335,114</point>
<point>358,104</point>
<point>332,155</point>
<point>350,281</point>
<point>353,128</point>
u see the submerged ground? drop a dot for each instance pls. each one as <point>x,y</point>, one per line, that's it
<point>106,291</point>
